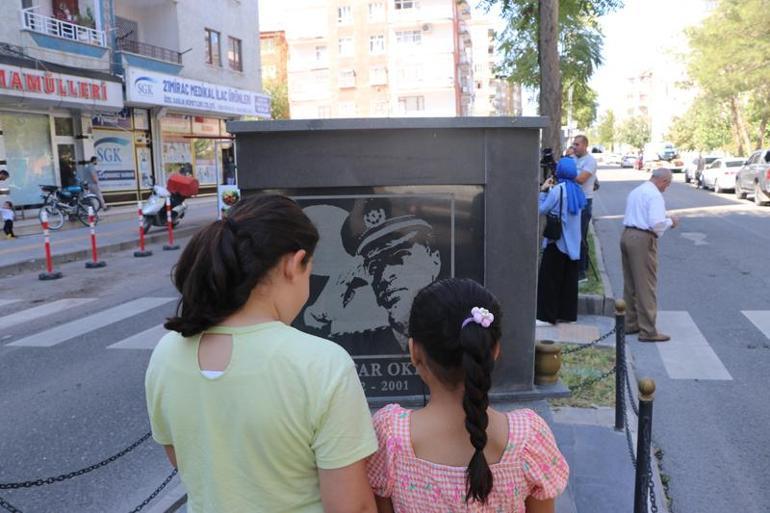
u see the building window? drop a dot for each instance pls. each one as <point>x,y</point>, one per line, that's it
<point>407,104</point>
<point>320,53</point>
<point>347,78</point>
<point>376,11</point>
<point>345,46</point>
<point>381,108</point>
<point>401,5</point>
<point>344,14</point>
<point>376,44</point>
<point>234,53</point>
<point>268,45</point>
<point>378,75</point>
<point>324,111</point>
<point>409,38</point>
<point>346,109</point>
<point>213,51</point>
<point>411,73</point>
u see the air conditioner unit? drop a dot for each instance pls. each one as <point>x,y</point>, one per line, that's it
<point>427,27</point>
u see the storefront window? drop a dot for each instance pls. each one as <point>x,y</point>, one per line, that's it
<point>177,155</point>
<point>205,164</point>
<point>28,154</point>
<point>63,127</point>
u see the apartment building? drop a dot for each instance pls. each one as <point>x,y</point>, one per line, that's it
<point>492,96</point>
<point>373,58</point>
<point>186,68</point>
<point>274,51</point>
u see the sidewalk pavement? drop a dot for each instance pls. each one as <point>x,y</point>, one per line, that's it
<point>117,230</point>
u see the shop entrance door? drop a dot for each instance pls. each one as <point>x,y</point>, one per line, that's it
<point>67,163</point>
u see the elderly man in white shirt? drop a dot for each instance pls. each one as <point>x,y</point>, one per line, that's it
<point>645,222</point>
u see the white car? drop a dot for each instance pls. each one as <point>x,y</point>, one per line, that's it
<point>720,175</point>
<point>691,170</point>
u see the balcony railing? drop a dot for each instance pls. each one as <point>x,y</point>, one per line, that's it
<point>35,22</point>
<point>148,50</point>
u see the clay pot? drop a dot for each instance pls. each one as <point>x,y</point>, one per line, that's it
<point>547,362</point>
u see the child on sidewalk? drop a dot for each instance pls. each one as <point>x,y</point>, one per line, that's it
<point>8,217</point>
<point>458,454</point>
<point>257,415</point>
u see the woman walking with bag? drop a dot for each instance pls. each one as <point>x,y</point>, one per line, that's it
<point>557,284</point>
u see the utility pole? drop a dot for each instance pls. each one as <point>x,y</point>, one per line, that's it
<point>550,76</point>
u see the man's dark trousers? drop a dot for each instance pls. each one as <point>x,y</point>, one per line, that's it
<point>585,220</point>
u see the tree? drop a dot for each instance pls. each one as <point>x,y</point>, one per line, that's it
<point>279,99</point>
<point>705,126</point>
<point>635,131</point>
<point>606,129</point>
<point>528,52</point>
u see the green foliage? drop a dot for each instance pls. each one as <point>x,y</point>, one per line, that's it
<point>607,129</point>
<point>584,105</point>
<point>635,131</point>
<point>705,126</point>
<point>580,47</point>
<point>279,99</point>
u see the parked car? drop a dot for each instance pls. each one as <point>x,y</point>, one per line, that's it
<point>690,171</point>
<point>753,179</point>
<point>628,161</point>
<point>720,175</point>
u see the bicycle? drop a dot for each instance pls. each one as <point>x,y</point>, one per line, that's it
<point>70,202</point>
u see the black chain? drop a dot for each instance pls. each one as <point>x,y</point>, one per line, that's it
<point>8,506</point>
<point>155,493</point>
<point>582,347</point>
<point>591,381</point>
<point>77,473</point>
<point>628,439</point>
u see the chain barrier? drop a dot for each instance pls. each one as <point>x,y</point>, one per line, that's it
<point>8,506</point>
<point>583,385</point>
<point>77,473</point>
<point>583,347</point>
<point>155,493</point>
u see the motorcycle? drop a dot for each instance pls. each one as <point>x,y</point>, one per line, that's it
<point>178,188</point>
<point>72,202</point>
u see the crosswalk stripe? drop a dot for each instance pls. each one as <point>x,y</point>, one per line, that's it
<point>688,354</point>
<point>36,312</point>
<point>147,339</point>
<point>4,302</point>
<point>760,319</point>
<point>78,327</point>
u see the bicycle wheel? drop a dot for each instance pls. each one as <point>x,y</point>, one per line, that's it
<point>55,216</point>
<point>81,212</point>
<point>93,202</point>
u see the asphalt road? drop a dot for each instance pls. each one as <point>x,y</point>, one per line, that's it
<point>78,402</point>
<point>713,267</point>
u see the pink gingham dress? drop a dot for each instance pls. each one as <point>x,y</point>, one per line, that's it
<point>531,465</point>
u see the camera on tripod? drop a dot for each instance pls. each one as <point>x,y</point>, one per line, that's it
<point>547,163</point>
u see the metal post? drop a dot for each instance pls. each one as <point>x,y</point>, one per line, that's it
<point>49,274</point>
<point>170,225</point>
<point>620,363</point>
<point>142,252</point>
<point>643,441</point>
<point>95,263</point>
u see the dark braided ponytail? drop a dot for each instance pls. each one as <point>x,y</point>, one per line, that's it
<point>225,260</point>
<point>461,355</point>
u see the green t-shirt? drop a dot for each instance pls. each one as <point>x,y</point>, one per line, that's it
<point>253,439</point>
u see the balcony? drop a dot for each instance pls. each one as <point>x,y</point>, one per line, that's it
<point>151,51</point>
<point>34,22</point>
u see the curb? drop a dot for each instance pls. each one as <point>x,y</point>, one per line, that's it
<point>594,304</point>
<point>36,264</point>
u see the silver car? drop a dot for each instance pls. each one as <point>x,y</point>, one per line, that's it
<point>754,178</point>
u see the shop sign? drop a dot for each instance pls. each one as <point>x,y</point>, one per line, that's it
<point>120,119</point>
<point>61,88</point>
<point>150,88</point>
<point>115,151</point>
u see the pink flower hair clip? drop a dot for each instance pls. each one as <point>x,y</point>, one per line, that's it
<point>480,316</point>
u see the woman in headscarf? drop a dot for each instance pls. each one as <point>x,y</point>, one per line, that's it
<point>557,286</point>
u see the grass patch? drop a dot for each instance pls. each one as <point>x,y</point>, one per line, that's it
<point>586,364</point>
<point>594,283</point>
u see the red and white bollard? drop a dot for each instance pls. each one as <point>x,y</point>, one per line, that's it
<point>170,224</point>
<point>141,252</point>
<point>50,274</point>
<point>95,263</point>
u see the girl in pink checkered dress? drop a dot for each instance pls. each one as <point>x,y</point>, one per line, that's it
<point>457,454</point>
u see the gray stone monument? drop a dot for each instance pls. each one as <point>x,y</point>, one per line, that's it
<point>400,203</point>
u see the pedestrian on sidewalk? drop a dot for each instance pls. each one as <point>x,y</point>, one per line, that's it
<point>8,217</point>
<point>255,414</point>
<point>457,453</point>
<point>645,222</point>
<point>557,284</point>
<point>91,177</point>
<point>586,166</point>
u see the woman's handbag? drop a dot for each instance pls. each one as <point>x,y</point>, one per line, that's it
<point>553,222</point>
